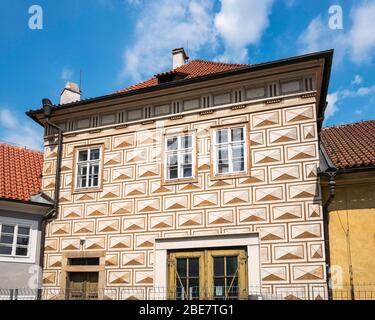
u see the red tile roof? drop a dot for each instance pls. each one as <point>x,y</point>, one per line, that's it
<point>20,172</point>
<point>350,145</point>
<point>193,69</point>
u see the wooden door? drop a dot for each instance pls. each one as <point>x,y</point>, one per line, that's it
<point>82,286</point>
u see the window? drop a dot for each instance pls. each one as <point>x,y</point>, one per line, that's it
<point>208,274</point>
<point>14,239</point>
<point>229,150</point>
<point>70,125</point>
<point>88,168</point>
<point>148,112</point>
<point>308,84</point>
<point>84,261</point>
<point>206,101</point>
<point>175,106</point>
<point>121,116</point>
<point>95,121</point>
<point>237,96</point>
<point>179,157</point>
<point>273,89</point>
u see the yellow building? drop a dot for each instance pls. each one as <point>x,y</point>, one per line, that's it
<point>351,150</point>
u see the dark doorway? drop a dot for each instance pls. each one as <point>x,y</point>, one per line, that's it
<point>82,286</point>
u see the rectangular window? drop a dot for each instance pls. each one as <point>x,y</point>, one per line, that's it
<point>308,84</point>
<point>121,116</point>
<point>176,106</point>
<point>14,240</point>
<point>83,261</point>
<point>70,125</point>
<point>237,95</point>
<point>95,121</point>
<point>273,89</point>
<point>148,112</point>
<point>179,157</point>
<point>229,150</point>
<point>88,168</point>
<point>206,101</point>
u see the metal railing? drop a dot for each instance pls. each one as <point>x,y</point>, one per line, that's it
<point>360,292</point>
<point>357,292</point>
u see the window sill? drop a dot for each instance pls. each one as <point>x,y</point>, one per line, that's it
<point>87,190</point>
<point>229,176</point>
<point>15,259</point>
<point>179,181</point>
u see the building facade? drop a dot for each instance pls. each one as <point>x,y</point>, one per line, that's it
<point>22,208</point>
<point>198,183</point>
<point>351,150</point>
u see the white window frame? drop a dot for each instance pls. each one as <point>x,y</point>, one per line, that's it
<point>180,153</point>
<point>310,81</point>
<point>31,252</point>
<point>229,144</point>
<point>176,106</point>
<point>206,101</point>
<point>238,96</point>
<point>271,87</point>
<point>77,163</point>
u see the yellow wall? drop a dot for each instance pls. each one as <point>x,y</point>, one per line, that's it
<point>352,238</point>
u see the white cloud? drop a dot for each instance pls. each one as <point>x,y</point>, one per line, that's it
<point>364,91</point>
<point>360,92</point>
<point>332,106</point>
<point>162,26</point>
<point>310,37</point>
<point>289,3</point>
<point>317,36</point>
<point>133,2</point>
<point>241,23</point>
<point>356,42</point>
<point>336,98</point>
<point>19,131</point>
<point>167,24</point>
<point>66,74</point>
<point>361,37</point>
<point>357,80</point>
<point>7,119</point>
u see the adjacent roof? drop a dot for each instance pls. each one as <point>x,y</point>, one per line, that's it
<point>193,69</point>
<point>350,145</point>
<point>20,172</point>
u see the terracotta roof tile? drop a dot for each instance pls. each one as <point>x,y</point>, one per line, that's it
<point>351,145</point>
<point>193,69</point>
<point>20,172</point>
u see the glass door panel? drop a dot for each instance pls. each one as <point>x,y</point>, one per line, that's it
<point>225,279</point>
<point>186,275</point>
<point>187,278</point>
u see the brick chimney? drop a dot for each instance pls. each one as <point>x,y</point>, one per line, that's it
<point>179,57</point>
<point>71,93</point>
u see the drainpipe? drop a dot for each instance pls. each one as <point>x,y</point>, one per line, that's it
<point>331,173</point>
<point>47,109</point>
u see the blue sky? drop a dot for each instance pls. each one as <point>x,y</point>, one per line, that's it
<point>119,42</point>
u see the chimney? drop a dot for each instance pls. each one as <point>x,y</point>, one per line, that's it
<point>179,57</point>
<point>71,93</point>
